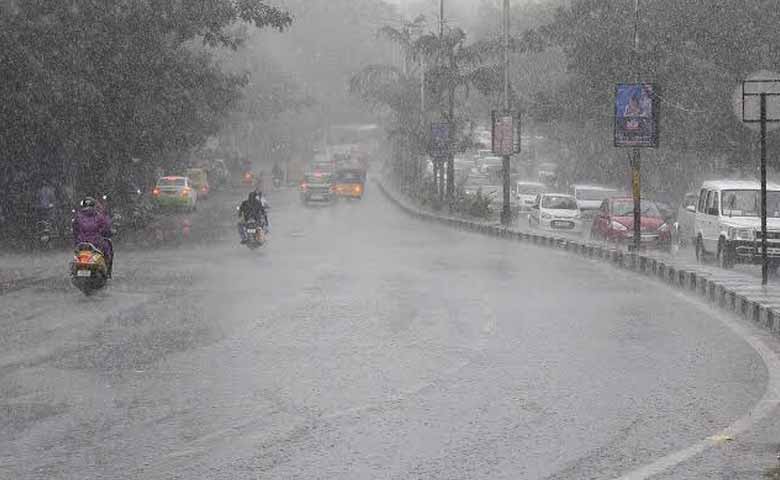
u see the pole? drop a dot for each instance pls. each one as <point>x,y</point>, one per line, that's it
<point>506,213</point>
<point>636,164</point>
<point>440,168</point>
<point>419,175</point>
<point>764,253</point>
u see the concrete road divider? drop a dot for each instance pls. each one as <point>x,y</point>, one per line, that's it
<point>731,291</point>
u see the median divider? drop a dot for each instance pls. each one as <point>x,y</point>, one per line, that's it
<point>742,297</point>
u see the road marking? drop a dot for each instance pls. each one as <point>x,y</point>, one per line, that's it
<point>761,410</point>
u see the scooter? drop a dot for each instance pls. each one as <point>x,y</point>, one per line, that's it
<point>88,270</point>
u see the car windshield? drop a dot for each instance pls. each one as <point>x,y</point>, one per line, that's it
<point>625,208</point>
<point>530,188</point>
<point>318,178</point>
<point>559,202</point>
<point>349,177</point>
<point>593,195</point>
<point>747,203</point>
<point>172,182</point>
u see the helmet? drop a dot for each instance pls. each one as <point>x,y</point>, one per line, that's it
<point>88,202</point>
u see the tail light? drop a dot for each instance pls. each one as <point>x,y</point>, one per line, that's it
<point>204,189</point>
<point>358,188</point>
<point>85,258</point>
<point>304,186</point>
<point>248,176</point>
<point>186,192</point>
<point>156,192</point>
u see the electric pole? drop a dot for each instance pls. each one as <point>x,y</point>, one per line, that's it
<point>506,212</point>
<point>635,160</point>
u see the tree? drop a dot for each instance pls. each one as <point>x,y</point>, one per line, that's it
<point>87,88</point>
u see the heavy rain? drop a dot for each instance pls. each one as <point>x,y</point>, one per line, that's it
<point>389,239</point>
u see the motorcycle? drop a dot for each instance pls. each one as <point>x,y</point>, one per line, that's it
<point>255,234</point>
<point>45,232</point>
<point>88,270</point>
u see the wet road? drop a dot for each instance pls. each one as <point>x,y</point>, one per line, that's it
<point>361,344</point>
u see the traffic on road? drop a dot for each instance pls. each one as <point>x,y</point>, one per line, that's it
<point>389,239</point>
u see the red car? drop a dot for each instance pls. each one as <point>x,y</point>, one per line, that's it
<point>615,222</point>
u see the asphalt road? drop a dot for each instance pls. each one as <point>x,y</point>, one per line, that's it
<point>363,344</point>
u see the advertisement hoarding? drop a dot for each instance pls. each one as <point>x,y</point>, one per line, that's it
<point>636,115</point>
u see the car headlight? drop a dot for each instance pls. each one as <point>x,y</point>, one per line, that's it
<point>618,226</point>
<point>546,216</point>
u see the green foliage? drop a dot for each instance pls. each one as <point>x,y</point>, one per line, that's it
<point>87,87</point>
<point>477,205</point>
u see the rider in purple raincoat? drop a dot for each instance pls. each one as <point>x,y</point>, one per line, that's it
<point>93,225</point>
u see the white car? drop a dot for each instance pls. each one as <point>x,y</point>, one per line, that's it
<point>727,222</point>
<point>556,212</point>
<point>526,193</point>
<point>589,197</point>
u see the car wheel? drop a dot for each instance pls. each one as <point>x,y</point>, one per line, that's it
<point>725,260</point>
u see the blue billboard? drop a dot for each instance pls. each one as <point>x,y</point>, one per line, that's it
<point>636,115</point>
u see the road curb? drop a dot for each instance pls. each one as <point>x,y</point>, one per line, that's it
<point>749,306</point>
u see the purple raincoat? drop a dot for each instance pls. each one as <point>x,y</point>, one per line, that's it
<point>93,226</point>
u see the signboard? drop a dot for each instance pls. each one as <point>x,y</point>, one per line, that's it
<point>636,115</point>
<point>506,133</point>
<point>440,140</point>
<point>747,100</point>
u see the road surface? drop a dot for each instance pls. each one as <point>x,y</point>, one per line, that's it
<point>363,344</point>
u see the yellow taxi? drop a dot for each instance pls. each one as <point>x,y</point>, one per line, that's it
<point>348,184</point>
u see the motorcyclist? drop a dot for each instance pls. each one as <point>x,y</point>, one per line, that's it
<point>253,208</point>
<point>276,172</point>
<point>93,225</point>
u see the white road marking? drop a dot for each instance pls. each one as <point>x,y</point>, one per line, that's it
<point>761,410</point>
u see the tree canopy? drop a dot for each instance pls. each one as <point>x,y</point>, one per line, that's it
<point>87,87</point>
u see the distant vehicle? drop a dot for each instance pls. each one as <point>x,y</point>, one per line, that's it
<point>555,211</point>
<point>590,197</point>
<point>727,222</point>
<point>199,179</point>
<point>175,192</point>
<point>547,171</point>
<point>248,179</point>
<point>491,164</point>
<point>686,217</point>
<point>527,193</point>
<point>614,222</point>
<point>348,184</point>
<point>219,173</point>
<point>316,187</point>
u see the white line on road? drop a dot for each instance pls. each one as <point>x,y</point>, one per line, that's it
<point>761,410</point>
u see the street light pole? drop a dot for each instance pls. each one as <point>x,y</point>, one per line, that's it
<point>635,158</point>
<point>506,212</point>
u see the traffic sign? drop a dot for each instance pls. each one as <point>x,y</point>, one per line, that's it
<point>440,140</point>
<point>746,100</point>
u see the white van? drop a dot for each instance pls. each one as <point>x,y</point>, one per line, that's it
<point>727,221</point>
<point>590,197</point>
<point>526,192</point>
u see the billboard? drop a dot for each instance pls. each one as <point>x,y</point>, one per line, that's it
<point>506,133</point>
<point>636,115</point>
<point>440,140</point>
